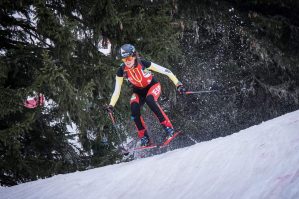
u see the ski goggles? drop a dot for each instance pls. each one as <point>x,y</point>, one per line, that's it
<point>129,58</point>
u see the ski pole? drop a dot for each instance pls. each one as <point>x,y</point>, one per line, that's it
<point>112,118</point>
<point>200,92</point>
<point>118,134</point>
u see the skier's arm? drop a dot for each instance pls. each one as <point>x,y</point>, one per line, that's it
<point>164,71</point>
<point>117,89</point>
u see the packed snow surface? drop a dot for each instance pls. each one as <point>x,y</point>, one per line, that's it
<point>259,162</point>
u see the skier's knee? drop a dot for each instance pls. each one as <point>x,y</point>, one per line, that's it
<point>135,109</point>
<point>150,98</point>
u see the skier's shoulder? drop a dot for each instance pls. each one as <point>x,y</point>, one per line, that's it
<point>145,63</point>
<point>120,71</point>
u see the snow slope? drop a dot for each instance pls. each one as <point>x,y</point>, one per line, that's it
<point>259,162</point>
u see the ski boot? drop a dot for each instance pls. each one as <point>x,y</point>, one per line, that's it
<point>169,131</point>
<point>145,141</point>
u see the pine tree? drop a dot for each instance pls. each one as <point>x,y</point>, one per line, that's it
<point>50,48</point>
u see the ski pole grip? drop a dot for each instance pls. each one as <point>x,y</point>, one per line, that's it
<point>112,117</point>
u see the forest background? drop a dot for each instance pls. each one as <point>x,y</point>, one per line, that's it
<point>247,50</point>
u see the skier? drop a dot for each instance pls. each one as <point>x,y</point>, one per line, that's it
<point>146,89</point>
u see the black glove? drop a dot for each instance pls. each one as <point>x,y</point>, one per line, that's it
<point>214,86</point>
<point>181,89</point>
<point>110,109</point>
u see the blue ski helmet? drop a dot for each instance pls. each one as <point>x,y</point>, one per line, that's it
<point>127,50</point>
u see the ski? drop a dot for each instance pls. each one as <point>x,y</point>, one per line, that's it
<point>145,147</point>
<point>162,145</point>
<point>167,141</point>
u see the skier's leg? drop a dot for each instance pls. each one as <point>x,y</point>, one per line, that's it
<point>152,101</point>
<point>139,122</point>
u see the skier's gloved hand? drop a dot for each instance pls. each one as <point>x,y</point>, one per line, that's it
<point>110,109</point>
<point>214,87</point>
<point>181,89</point>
